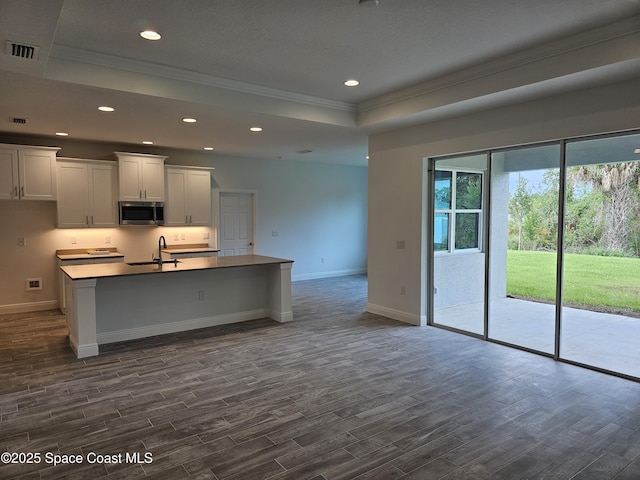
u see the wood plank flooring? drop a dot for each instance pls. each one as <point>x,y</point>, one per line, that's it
<point>336,394</point>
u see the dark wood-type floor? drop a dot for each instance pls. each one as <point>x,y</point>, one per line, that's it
<point>337,394</point>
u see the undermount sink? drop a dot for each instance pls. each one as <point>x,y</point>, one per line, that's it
<point>133,264</point>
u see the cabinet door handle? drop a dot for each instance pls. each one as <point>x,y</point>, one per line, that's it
<point>186,219</point>
<point>91,219</point>
<point>15,189</point>
<point>140,195</point>
<point>190,219</point>
<point>22,191</point>
<point>145,194</point>
<point>86,219</point>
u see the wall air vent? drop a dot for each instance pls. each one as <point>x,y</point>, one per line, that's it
<point>19,120</point>
<point>22,50</point>
<point>34,284</point>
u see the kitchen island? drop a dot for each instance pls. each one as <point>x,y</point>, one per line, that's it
<point>114,302</point>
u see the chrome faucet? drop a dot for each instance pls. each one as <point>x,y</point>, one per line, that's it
<point>162,243</point>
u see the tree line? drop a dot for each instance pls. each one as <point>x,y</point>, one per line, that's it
<point>602,211</point>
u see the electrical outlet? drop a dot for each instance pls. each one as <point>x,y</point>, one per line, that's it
<point>107,239</point>
<point>321,259</point>
<point>22,242</point>
<point>74,240</point>
<point>435,290</point>
<point>403,290</point>
<point>176,237</point>
<point>401,244</point>
<point>205,236</point>
<point>200,294</point>
<point>275,233</point>
<point>182,237</point>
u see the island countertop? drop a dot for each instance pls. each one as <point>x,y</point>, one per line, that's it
<point>81,272</point>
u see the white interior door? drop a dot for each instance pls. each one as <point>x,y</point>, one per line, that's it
<point>236,224</point>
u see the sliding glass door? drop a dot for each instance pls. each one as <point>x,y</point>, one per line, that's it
<point>539,248</point>
<point>524,239</point>
<point>601,290</point>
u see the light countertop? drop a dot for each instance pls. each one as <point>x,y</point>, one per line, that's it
<point>101,270</point>
<point>82,256</point>
<point>190,250</point>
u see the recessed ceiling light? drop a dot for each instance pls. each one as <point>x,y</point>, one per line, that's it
<point>62,134</point>
<point>256,129</point>
<point>147,142</point>
<point>150,35</point>
<point>105,108</point>
<point>189,120</point>
<point>208,148</point>
<point>352,83</point>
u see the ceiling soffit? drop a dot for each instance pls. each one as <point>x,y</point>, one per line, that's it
<point>476,86</point>
<point>577,59</point>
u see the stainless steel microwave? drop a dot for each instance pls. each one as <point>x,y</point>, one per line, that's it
<point>141,213</point>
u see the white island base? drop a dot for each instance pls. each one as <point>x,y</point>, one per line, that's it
<point>107,303</point>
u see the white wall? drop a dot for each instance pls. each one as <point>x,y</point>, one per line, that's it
<point>396,167</point>
<point>319,211</point>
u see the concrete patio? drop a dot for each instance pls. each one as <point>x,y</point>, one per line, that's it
<point>602,340</point>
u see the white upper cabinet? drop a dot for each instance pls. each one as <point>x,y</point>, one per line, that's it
<point>140,177</point>
<point>188,196</point>
<point>87,194</point>
<point>27,173</point>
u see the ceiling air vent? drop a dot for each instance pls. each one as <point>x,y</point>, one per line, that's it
<point>22,50</point>
<point>19,120</point>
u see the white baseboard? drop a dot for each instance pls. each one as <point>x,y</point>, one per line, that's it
<point>396,314</point>
<point>83,351</point>
<point>29,307</point>
<point>334,273</point>
<point>282,317</point>
<point>173,327</point>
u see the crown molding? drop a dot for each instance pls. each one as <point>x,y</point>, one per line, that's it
<point>595,37</point>
<point>88,57</point>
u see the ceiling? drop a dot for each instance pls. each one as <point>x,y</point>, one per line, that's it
<point>281,64</point>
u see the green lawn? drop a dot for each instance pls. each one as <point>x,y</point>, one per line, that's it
<point>589,280</point>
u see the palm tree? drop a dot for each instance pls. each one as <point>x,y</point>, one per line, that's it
<point>619,186</point>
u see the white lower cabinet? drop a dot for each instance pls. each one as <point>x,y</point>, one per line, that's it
<point>86,194</point>
<point>188,196</point>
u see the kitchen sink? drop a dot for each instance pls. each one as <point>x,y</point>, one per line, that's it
<point>133,264</point>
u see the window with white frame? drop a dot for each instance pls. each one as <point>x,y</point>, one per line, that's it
<point>458,210</point>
